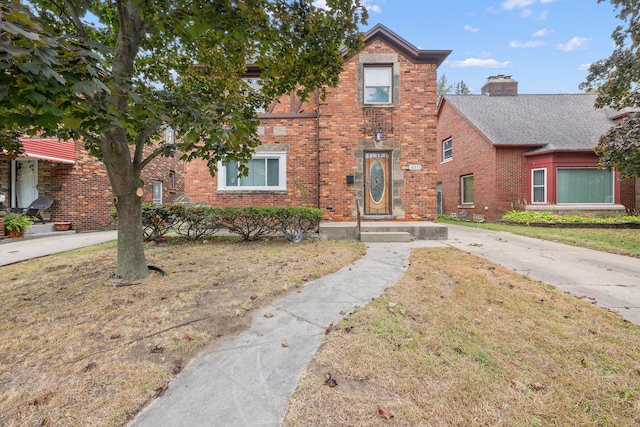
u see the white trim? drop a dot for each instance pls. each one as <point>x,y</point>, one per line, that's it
<point>282,173</point>
<point>444,158</point>
<point>543,186</point>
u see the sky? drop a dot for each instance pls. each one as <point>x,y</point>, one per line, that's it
<point>546,45</point>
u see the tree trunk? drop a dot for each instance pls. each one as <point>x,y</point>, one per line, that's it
<point>127,189</point>
<point>131,260</point>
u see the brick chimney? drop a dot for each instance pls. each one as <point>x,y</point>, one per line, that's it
<point>500,85</point>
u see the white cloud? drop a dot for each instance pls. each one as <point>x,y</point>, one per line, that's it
<point>531,43</point>
<point>546,1</point>
<point>526,13</point>
<point>576,43</point>
<point>479,63</point>
<point>584,67</point>
<point>516,4</point>
<point>472,29</point>
<point>542,33</point>
<point>486,54</point>
<point>543,15</point>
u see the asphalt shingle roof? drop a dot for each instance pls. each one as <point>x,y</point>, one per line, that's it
<point>551,122</point>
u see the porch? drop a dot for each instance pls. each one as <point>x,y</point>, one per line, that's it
<point>384,231</point>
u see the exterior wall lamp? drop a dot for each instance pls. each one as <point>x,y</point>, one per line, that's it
<point>378,135</point>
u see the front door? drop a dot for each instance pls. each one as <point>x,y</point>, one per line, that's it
<point>377,183</point>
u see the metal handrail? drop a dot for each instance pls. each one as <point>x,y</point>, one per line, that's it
<point>358,216</point>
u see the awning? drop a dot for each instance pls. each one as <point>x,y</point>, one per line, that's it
<point>48,150</point>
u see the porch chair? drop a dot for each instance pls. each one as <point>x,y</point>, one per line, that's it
<point>36,208</point>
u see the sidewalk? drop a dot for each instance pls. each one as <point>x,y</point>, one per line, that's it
<point>20,250</point>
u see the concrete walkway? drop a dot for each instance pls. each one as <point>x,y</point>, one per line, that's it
<point>20,250</point>
<point>610,281</point>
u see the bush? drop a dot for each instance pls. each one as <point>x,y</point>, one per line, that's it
<point>251,223</point>
<point>528,217</point>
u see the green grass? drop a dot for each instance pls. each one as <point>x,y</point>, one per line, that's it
<point>622,241</point>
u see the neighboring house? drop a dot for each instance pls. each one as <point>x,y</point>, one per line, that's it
<point>371,142</point>
<point>77,182</point>
<point>501,151</point>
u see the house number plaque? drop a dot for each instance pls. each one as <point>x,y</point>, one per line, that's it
<point>415,167</point>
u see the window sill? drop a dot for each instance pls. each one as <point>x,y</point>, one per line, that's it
<point>467,206</point>
<point>446,161</point>
<point>228,191</point>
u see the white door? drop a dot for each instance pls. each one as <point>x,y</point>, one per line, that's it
<point>25,182</point>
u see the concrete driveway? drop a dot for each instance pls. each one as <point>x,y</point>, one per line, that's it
<point>610,281</point>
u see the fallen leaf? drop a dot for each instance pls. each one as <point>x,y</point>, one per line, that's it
<point>189,336</point>
<point>160,390</point>
<point>384,413</point>
<point>268,315</point>
<point>254,296</point>
<point>90,366</point>
<point>42,398</point>
<point>114,336</point>
<point>157,349</point>
<point>326,331</point>
<point>285,344</point>
<point>329,381</point>
<point>342,313</point>
<point>537,386</point>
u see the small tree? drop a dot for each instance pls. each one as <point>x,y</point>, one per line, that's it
<point>616,80</point>
<point>461,88</point>
<point>117,71</point>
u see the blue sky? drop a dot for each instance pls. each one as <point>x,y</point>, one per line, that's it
<point>546,45</point>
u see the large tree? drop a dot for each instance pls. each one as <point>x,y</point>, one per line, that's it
<point>117,72</point>
<point>616,80</point>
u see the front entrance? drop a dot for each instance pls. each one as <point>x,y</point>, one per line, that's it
<point>377,183</point>
<point>24,182</point>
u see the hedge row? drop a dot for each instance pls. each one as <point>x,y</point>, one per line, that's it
<point>197,222</point>
<point>528,217</point>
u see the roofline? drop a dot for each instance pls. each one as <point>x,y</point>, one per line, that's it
<point>404,47</point>
<point>558,150</point>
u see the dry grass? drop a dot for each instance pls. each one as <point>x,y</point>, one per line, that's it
<point>460,341</point>
<point>75,350</point>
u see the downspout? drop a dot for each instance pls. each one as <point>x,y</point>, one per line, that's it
<point>318,147</point>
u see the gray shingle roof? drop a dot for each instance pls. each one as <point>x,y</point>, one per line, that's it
<point>551,122</point>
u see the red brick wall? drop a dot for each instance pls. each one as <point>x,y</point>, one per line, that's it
<point>300,142</point>
<point>497,173</point>
<point>344,132</point>
<point>408,130</point>
<point>82,192</point>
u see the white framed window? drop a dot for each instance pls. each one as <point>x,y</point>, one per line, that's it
<point>255,85</point>
<point>447,150</point>
<point>584,185</point>
<point>169,135</point>
<point>267,172</point>
<point>157,191</point>
<point>539,185</point>
<point>377,84</point>
<point>466,189</point>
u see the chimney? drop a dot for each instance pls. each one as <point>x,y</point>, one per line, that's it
<point>500,85</point>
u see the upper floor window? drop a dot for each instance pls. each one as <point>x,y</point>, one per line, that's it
<point>447,150</point>
<point>254,84</point>
<point>267,171</point>
<point>377,84</point>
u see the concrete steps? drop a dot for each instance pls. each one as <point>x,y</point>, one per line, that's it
<point>384,231</point>
<point>385,236</point>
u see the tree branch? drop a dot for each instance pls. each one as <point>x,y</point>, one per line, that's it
<point>77,23</point>
<point>141,142</point>
<point>89,136</point>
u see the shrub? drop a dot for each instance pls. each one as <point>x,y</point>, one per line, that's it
<point>527,217</point>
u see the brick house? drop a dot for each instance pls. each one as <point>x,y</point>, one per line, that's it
<point>371,141</point>
<point>77,182</point>
<point>501,151</point>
